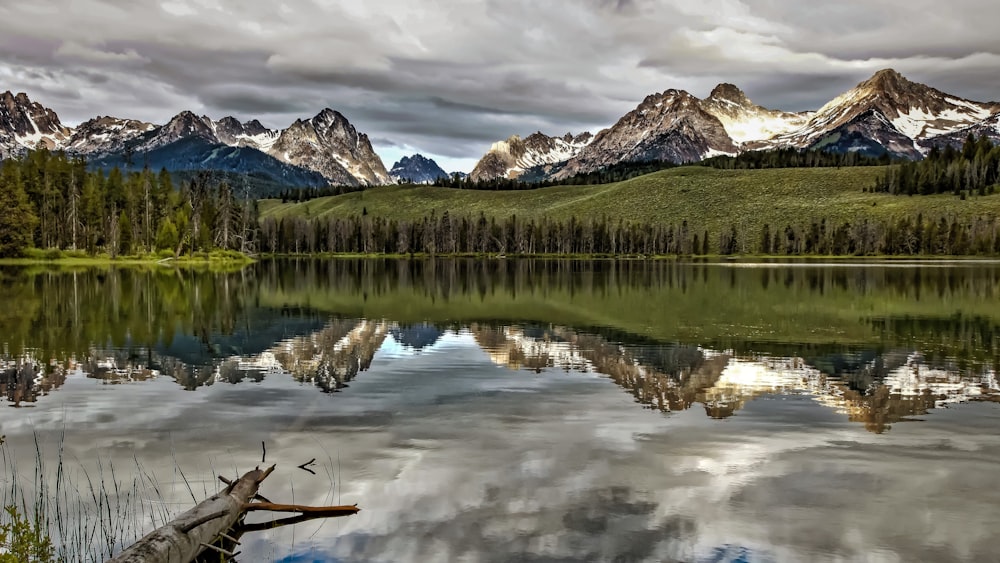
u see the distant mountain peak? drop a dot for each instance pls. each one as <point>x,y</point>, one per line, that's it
<point>417,169</point>
<point>330,145</point>
<point>511,157</point>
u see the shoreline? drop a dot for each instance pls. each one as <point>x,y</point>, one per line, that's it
<point>99,260</point>
<point>740,260</point>
<point>700,258</point>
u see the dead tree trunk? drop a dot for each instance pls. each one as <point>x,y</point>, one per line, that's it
<point>182,539</point>
<point>219,521</point>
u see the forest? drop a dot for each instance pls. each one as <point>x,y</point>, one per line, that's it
<point>447,235</point>
<point>975,169</point>
<point>54,202</point>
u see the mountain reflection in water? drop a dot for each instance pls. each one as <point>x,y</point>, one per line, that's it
<point>897,385</point>
<point>501,410</point>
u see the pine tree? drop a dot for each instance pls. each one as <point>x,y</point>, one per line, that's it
<point>17,221</point>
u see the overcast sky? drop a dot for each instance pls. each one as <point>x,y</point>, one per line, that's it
<point>448,77</point>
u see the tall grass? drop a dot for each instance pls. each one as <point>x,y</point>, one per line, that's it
<point>89,514</point>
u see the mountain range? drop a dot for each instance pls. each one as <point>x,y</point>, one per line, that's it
<point>323,150</point>
<point>886,114</point>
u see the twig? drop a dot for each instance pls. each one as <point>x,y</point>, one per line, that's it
<point>220,550</point>
<point>281,522</point>
<point>267,472</point>
<point>263,457</point>
<point>314,510</point>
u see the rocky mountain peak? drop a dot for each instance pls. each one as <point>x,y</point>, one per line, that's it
<point>671,126</point>
<point>915,110</point>
<point>887,79</point>
<point>731,93</point>
<point>255,127</point>
<point>331,120</point>
<point>582,138</point>
<point>230,122</point>
<point>417,159</point>
<point>330,145</point>
<point>510,158</point>
<point>28,123</point>
<point>186,124</point>
<point>417,169</point>
<point>105,135</point>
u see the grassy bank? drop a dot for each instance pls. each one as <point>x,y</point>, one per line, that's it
<point>705,197</point>
<point>35,256</point>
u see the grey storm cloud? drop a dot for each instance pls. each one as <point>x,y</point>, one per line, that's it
<point>450,77</point>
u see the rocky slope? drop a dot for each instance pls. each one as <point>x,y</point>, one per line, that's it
<point>252,134</point>
<point>989,127</point>
<point>330,145</point>
<point>746,121</point>
<point>417,169</point>
<point>510,158</point>
<point>25,124</point>
<point>668,126</point>
<point>103,136</point>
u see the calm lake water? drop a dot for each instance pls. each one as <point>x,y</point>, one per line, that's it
<point>525,411</point>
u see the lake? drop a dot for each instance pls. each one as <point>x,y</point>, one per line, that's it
<point>503,410</point>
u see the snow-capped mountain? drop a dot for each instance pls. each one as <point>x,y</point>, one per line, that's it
<point>326,149</point>
<point>417,169</point>
<point>668,126</point>
<point>184,125</point>
<point>330,145</point>
<point>510,158</point>
<point>906,108</point>
<point>746,121</point>
<point>24,124</point>
<point>884,114</point>
<point>103,135</point>
<point>252,134</point>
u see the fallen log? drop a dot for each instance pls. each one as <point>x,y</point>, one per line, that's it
<point>210,524</point>
<point>183,538</point>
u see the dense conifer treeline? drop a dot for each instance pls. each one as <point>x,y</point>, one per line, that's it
<point>973,170</point>
<point>51,201</point>
<point>445,234</point>
<point>792,158</point>
<point>297,195</point>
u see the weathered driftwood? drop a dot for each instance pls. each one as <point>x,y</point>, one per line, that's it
<point>217,523</point>
<point>180,540</point>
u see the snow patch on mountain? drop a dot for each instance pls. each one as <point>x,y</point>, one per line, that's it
<point>746,121</point>
<point>511,157</point>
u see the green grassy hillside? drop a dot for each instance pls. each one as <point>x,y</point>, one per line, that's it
<point>708,198</point>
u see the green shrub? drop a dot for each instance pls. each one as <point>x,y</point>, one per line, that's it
<point>24,541</point>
